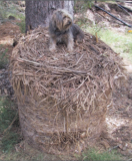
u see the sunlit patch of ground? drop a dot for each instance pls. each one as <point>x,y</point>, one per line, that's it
<point>6,40</point>
<point>8,31</point>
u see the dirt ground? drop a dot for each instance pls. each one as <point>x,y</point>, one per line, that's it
<point>8,31</point>
<point>119,115</point>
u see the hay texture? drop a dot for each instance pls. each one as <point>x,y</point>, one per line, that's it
<point>63,97</point>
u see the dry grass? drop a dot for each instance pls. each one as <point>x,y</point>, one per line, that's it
<point>65,95</point>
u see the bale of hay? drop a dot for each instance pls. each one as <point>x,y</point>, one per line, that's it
<point>63,97</point>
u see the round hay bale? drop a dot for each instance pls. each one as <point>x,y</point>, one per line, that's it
<point>63,97</point>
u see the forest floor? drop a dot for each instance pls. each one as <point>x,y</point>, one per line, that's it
<point>119,115</point>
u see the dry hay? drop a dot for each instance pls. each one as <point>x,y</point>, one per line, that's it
<point>63,97</point>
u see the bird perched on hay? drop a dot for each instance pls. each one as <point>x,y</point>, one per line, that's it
<point>63,30</point>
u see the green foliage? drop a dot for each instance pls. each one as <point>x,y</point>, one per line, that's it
<point>81,21</point>
<point>2,11</point>
<point>119,42</point>
<point>95,28</point>
<point>38,157</point>
<point>87,4</point>
<point>3,58</point>
<point>22,25</point>
<point>8,121</point>
<point>82,6</point>
<point>7,114</point>
<point>9,140</point>
<point>9,9</point>
<point>93,155</point>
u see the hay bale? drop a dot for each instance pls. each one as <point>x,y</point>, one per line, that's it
<point>63,97</point>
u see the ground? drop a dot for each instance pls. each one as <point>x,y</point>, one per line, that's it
<point>119,115</point>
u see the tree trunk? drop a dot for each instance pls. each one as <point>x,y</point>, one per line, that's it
<point>38,12</point>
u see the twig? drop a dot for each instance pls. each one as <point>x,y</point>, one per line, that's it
<point>113,147</point>
<point>11,123</point>
<point>79,59</point>
<point>103,16</point>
